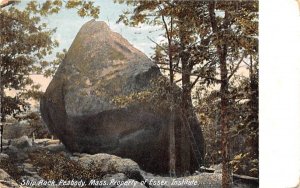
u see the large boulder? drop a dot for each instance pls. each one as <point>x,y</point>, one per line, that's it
<point>78,104</point>
<point>109,164</point>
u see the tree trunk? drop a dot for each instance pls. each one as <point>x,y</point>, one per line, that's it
<point>186,100</point>
<point>226,172</point>
<point>172,144</point>
<point>254,107</point>
<point>186,105</point>
<point>172,150</point>
<point>2,114</point>
<point>222,54</point>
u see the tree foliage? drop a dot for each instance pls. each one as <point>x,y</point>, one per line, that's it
<point>210,40</point>
<point>243,124</point>
<point>26,44</point>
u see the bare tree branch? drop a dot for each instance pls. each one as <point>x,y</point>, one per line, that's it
<point>194,83</point>
<point>179,80</point>
<point>237,67</point>
<point>246,63</point>
<point>193,74</point>
<point>165,50</point>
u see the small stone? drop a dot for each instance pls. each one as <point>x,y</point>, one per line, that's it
<point>22,142</point>
<point>3,156</point>
<point>56,148</point>
<point>29,169</point>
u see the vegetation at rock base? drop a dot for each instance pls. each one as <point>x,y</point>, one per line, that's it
<point>52,166</point>
<point>10,166</point>
<point>58,166</point>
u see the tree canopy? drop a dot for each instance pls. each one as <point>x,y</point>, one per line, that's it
<point>25,46</point>
<point>207,42</point>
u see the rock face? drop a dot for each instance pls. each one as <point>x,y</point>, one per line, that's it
<point>77,105</point>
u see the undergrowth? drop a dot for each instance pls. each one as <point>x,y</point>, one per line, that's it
<point>57,166</point>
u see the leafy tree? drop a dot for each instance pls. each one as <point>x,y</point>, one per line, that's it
<point>25,46</point>
<point>243,137</point>
<point>174,58</point>
<point>210,40</point>
<point>247,91</point>
<point>234,38</point>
